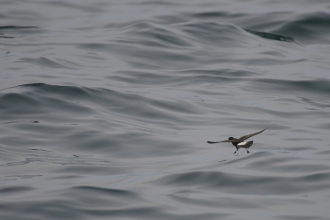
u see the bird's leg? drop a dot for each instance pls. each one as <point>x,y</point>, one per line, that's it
<point>235,151</point>
<point>247,150</point>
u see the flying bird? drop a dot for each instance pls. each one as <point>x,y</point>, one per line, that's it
<point>240,142</point>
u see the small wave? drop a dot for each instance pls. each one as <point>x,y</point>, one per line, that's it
<point>13,27</point>
<point>314,86</point>
<point>247,184</point>
<point>272,36</point>
<point>43,61</point>
<point>15,189</point>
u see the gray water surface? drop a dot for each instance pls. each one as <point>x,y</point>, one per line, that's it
<point>106,108</point>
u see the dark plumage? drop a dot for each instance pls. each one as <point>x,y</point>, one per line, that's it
<point>240,142</point>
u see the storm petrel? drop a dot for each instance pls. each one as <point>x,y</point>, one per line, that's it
<point>240,142</point>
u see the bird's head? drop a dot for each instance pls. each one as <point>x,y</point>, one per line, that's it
<point>231,138</point>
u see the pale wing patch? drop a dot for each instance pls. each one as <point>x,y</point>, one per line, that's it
<point>242,144</point>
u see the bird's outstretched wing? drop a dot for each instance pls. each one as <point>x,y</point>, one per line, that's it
<point>250,135</point>
<point>211,142</point>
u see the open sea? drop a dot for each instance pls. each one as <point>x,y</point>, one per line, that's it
<point>106,108</point>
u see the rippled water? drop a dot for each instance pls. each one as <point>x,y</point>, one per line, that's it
<point>106,108</point>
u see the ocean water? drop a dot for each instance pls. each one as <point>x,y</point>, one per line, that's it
<point>107,106</point>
